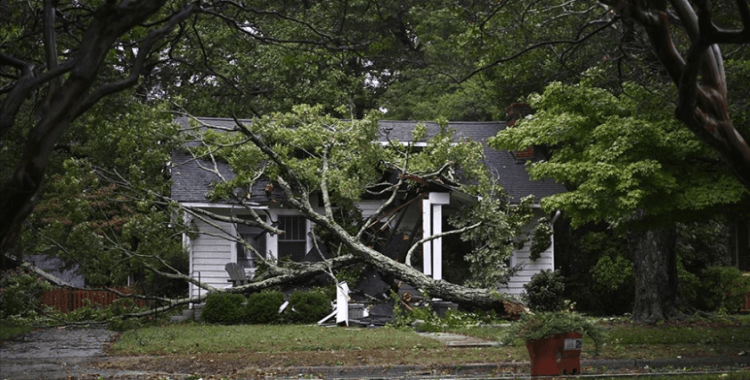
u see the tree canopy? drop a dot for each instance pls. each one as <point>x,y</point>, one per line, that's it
<point>64,65</point>
<point>619,154</point>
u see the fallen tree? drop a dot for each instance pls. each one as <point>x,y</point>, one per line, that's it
<point>329,165</point>
<point>322,166</point>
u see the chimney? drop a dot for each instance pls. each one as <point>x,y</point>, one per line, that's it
<point>516,111</point>
<point>513,113</point>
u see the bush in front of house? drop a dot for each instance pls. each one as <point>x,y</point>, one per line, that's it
<point>308,306</point>
<point>263,307</point>
<point>545,291</point>
<point>224,308</point>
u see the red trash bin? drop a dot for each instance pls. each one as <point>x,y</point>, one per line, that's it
<point>555,355</point>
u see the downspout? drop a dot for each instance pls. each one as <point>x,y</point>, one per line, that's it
<point>554,218</point>
<point>552,225</point>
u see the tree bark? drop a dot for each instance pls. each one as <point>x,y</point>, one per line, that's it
<point>698,72</point>
<point>656,282</point>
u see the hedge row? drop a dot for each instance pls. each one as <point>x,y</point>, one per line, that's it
<point>263,308</point>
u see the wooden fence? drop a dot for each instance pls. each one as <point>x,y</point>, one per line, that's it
<point>67,300</point>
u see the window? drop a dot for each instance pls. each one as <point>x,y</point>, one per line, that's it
<point>293,242</point>
<point>254,236</point>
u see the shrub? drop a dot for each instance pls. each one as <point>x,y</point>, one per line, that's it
<point>723,288</point>
<point>224,308</point>
<point>263,307</point>
<point>545,324</point>
<point>545,291</point>
<point>19,293</point>
<point>308,307</point>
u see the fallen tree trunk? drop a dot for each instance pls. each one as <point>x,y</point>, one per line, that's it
<point>470,298</point>
<point>299,198</point>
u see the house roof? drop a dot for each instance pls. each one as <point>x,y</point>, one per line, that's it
<point>191,182</point>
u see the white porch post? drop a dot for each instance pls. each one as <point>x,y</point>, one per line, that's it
<point>438,200</point>
<point>432,224</point>
<point>272,240</point>
<point>427,232</point>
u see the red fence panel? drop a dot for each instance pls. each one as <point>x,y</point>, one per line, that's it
<point>66,300</point>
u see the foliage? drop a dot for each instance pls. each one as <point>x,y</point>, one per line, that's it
<point>722,288</point>
<point>545,324</point>
<point>458,318</point>
<point>263,307</point>
<point>473,65</point>
<point>320,150</point>
<point>224,308</point>
<point>618,154</point>
<point>700,245</point>
<point>420,317</point>
<point>501,224</point>
<point>424,318</point>
<point>578,252</point>
<point>545,291</point>
<point>541,239</point>
<point>114,314</point>
<point>99,208</point>
<point>612,273</point>
<point>19,293</point>
<point>704,243</point>
<point>599,275</point>
<point>308,306</point>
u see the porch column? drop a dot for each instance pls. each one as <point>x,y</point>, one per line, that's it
<point>432,224</point>
<point>426,232</point>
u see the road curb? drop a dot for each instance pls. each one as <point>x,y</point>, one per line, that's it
<point>671,362</point>
<point>520,368</point>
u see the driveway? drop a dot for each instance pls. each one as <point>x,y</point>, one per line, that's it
<point>54,353</point>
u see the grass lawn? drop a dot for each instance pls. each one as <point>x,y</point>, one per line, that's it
<point>248,351</point>
<point>238,349</point>
<point>266,339</point>
<point>627,340</point>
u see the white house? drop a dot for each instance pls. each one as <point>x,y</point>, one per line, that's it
<point>213,248</point>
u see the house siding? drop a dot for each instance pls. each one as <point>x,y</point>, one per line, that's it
<point>369,207</point>
<point>530,267</point>
<point>210,253</point>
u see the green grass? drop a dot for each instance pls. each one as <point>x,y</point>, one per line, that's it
<point>632,341</point>
<point>625,341</point>
<point>189,339</point>
<point>8,332</point>
<point>679,335</point>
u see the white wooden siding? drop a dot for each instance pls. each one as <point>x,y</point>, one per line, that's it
<point>211,251</point>
<point>530,268</point>
<point>369,207</point>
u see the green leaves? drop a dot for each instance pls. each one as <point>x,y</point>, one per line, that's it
<point>493,240</point>
<point>618,154</point>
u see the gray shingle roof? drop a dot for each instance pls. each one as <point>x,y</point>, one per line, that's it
<point>191,182</point>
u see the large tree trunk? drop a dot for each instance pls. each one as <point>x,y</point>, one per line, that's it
<point>471,298</point>
<point>656,283</point>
